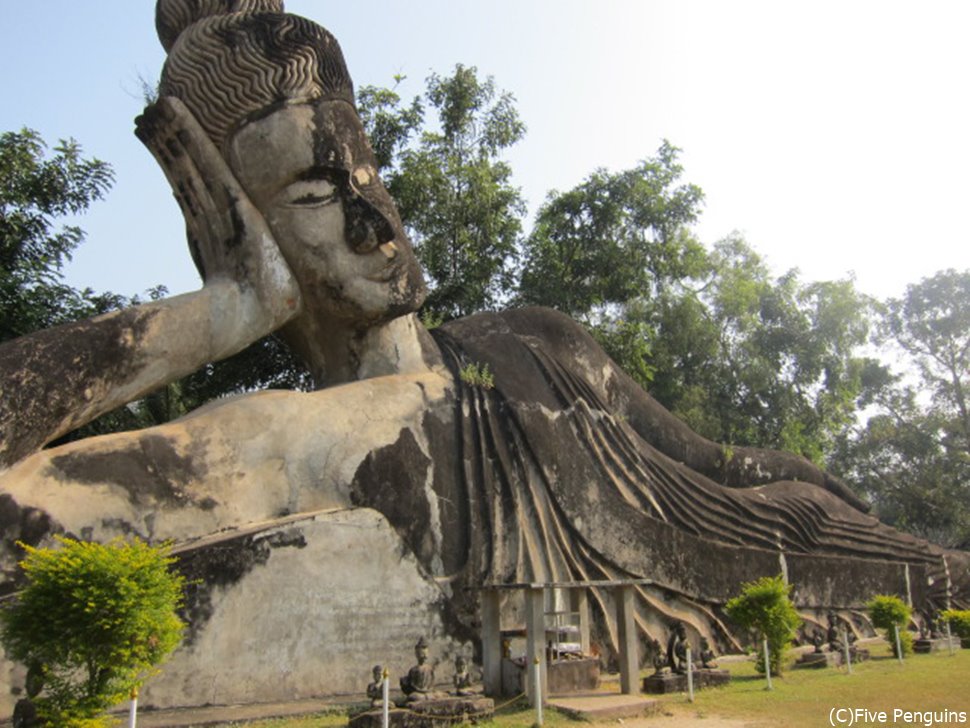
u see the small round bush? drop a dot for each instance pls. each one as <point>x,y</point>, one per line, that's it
<point>765,605</point>
<point>888,612</point>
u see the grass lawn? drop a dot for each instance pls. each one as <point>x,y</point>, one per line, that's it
<point>805,698</point>
<point>800,699</point>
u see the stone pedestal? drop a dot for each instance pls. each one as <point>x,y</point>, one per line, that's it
<point>430,713</point>
<point>818,660</point>
<point>673,683</point>
<point>832,658</point>
<point>924,646</point>
<point>564,676</point>
<point>574,676</point>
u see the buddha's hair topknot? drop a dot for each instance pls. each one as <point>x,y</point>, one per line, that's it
<point>230,60</point>
<point>174,16</point>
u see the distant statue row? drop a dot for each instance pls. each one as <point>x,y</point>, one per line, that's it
<point>419,684</point>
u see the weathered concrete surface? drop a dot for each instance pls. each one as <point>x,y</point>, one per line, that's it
<point>604,706</point>
<point>320,601</point>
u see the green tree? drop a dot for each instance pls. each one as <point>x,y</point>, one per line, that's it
<point>36,191</point>
<point>765,606</point>
<point>889,613</point>
<point>615,238</point>
<point>389,124</point>
<point>781,362</point>
<point>931,323</point>
<point>453,190</point>
<point>911,458</point>
<point>98,618</point>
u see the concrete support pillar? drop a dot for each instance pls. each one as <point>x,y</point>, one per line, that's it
<point>579,603</point>
<point>535,644</point>
<point>491,642</point>
<point>627,637</point>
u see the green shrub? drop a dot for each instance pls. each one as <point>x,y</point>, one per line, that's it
<point>887,612</point>
<point>959,620</point>
<point>765,605</point>
<point>477,375</point>
<point>98,618</point>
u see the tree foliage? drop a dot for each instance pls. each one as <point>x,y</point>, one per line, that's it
<point>912,456</point>
<point>765,606</point>
<point>613,238</point>
<point>452,189</point>
<point>755,359</point>
<point>889,612</point>
<point>98,618</point>
<point>35,191</point>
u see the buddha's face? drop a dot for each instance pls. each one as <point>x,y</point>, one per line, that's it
<point>310,171</point>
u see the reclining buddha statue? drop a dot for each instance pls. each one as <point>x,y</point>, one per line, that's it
<point>325,526</point>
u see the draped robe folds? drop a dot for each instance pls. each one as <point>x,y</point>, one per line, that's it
<point>542,479</point>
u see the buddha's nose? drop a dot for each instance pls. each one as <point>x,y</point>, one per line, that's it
<point>366,228</point>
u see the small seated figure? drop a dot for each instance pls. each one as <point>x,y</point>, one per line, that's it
<point>462,679</point>
<point>832,634</point>
<point>677,649</point>
<point>818,639</point>
<point>418,684</point>
<point>660,666</point>
<point>708,658</point>
<point>25,712</point>
<point>375,690</point>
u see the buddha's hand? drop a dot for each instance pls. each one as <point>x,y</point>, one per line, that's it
<point>228,236</point>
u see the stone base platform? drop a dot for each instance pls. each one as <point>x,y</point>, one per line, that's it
<point>674,683</point>
<point>925,646</point>
<point>818,660</point>
<point>565,677</point>
<point>829,658</point>
<point>429,713</point>
<point>604,706</point>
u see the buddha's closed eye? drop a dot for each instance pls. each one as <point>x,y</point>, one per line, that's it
<point>310,193</point>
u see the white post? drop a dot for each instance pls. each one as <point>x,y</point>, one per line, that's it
<point>133,715</point>
<point>845,651</point>
<point>949,637</point>
<point>386,699</point>
<point>537,681</point>
<point>767,663</point>
<point>899,646</point>
<point>690,677</point>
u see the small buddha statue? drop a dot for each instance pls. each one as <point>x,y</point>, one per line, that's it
<point>25,711</point>
<point>832,634</point>
<point>708,658</point>
<point>375,690</point>
<point>677,649</point>
<point>818,639</point>
<point>418,684</point>
<point>660,666</point>
<point>462,679</point>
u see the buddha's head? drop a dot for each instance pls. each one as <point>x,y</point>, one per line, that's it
<point>271,90</point>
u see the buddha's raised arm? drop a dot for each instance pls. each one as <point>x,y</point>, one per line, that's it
<point>54,381</point>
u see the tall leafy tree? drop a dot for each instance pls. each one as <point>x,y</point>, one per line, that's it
<point>616,237</point>
<point>37,190</point>
<point>912,457</point>
<point>452,188</point>
<point>931,323</point>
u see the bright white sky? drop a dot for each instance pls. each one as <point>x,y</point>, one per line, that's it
<point>834,135</point>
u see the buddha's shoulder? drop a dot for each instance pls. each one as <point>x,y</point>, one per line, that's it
<point>537,326</point>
